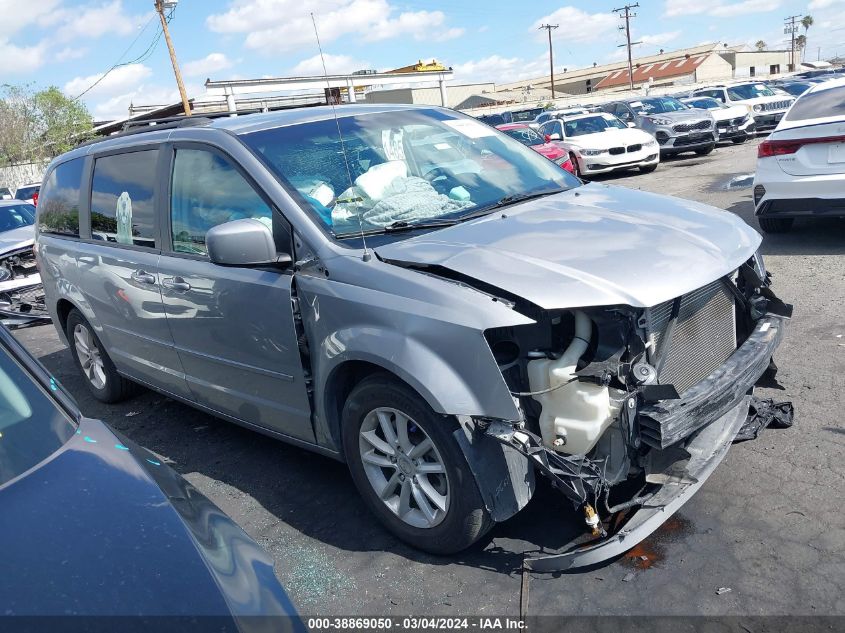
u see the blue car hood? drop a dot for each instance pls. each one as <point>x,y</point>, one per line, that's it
<point>101,527</point>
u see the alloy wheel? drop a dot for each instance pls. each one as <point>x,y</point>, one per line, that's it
<point>404,468</point>
<point>89,356</point>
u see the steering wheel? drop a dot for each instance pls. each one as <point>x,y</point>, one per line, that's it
<point>442,179</point>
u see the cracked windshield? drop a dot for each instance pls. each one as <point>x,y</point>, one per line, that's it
<point>395,168</point>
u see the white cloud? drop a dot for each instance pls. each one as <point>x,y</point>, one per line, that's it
<point>16,19</point>
<point>120,80</point>
<point>577,25</point>
<point>720,8</point>
<point>211,63</point>
<point>71,52</point>
<point>335,65</point>
<point>500,69</point>
<point>273,26</point>
<point>95,20</point>
<point>21,59</point>
<point>817,5</point>
<point>659,39</point>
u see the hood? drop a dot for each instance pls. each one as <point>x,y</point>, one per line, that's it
<point>103,528</point>
<point>590,246</point>
<point>549,150</point>
<point>610,138</point>
<point>14,239</point>
<point>771,99</point>
<point>693,114</point>
<point>729,112</point>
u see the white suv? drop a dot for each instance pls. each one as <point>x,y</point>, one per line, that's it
<point>801,166</point>
<point>765,106</point>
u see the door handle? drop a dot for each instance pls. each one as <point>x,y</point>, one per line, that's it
<point>176,283</point>
<point>142,277</point>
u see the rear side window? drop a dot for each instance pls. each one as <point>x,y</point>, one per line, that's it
<point>123,198</point>
<point>58,204</point>
<point>208,190</point>
<point>814,105</point>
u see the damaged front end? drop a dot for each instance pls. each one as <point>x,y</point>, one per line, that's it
<point>21,292</point>
<point>625,410</point>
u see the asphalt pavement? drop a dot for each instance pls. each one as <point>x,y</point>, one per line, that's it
<point>768,525</point>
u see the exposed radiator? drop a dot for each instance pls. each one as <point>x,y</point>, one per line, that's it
<point>703,337</point>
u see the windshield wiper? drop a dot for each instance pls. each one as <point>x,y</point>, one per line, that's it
<point>404,225</point>
<point>515,198</point>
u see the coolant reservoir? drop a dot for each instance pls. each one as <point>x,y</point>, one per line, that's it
<point>577,413</point>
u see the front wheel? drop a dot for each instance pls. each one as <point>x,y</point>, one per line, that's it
<point>740,140</point>
<point>647,169</point>
<point>409,468</point>
<point>705,150</point>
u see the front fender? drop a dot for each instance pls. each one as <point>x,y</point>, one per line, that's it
<point>442,356</point>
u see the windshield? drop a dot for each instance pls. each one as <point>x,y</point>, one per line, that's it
<point>31,426</point>
<point>401,166</point>
<point>526,115</point>
<point>525,135</point>
<point>15,216</point>
<point>25,193</point>
<point>591,125</point>
<point>657,105</point>
<point>705,103</point>
<point>749,91</point>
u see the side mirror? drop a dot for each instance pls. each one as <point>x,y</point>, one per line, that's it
<point>246,242</point>
<point>547,137</point>
<point>631,124</point>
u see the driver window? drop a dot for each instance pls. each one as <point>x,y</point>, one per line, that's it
<point>207,190</point>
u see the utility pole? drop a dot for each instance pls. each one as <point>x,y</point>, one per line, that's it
<point>628,15</point>
<point>161,5</point>
<point>549,28</point>
<point>791,29</point>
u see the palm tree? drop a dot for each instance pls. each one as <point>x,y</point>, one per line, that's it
<point>801,43</point>
<point>806,22</point>
<point>761,45</point>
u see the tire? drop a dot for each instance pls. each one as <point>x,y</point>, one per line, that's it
<point>98,370</point>
<point>705,150</point>
<point>464,520</point>
<point>647,169</point>
<point>575,166</point>
<point>775,225</point>
<point>739,141</point>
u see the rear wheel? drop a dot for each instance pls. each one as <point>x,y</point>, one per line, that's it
<point>705,150</point>
<point>98,370</point>
<point>409,469</point>
<point>775,225</point>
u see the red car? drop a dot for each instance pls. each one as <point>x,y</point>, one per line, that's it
<point>539,144</point>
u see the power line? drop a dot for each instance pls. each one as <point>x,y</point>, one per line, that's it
<point>627,16</point>
<point>143,56</point>
<point>550,28</point>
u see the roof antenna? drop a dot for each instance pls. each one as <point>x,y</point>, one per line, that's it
<point>367,255</point>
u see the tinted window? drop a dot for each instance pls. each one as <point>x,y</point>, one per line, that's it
<point>749,91</point>
<point>823,103</point>
<point>31,426</point>
<point>58,205</point>
<point>207,190</point>
<point>657,105</point>
<point>525,135</point>
<point>122,198</point>
<point>15,216</point>
<point>25,193</point>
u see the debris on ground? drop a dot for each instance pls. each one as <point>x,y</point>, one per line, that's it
<point>762,413</point>
<point>722,590</point>
<point>132,414</point>
<point>629,577</point>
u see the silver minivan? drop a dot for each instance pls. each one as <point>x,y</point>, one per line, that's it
<point>413,292</point>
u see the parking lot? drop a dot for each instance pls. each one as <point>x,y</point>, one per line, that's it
<point>767,525</point>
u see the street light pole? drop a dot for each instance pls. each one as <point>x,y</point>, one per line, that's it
<point>160,6</point>
<point>549,28</point>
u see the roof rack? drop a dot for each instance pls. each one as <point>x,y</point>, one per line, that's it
<point>153,125</point>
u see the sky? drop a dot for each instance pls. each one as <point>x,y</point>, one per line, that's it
<point>72,43</point>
